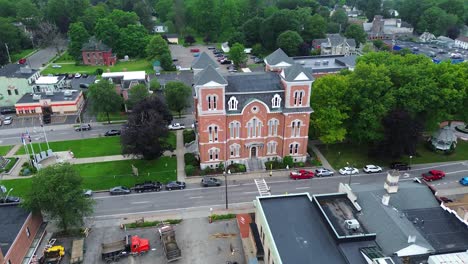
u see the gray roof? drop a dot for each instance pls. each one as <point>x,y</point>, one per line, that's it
<point>445,134</point>
<point>12,219</point>
<point>278,56</point>
<point>389,222</point>
<point>292,72</point>
<point>56,97</point>
<point>202,61</point>
<point>207,75</point>
<point>94,44</point>
<point>16,71</point>
<point>351,42</point>
<point>245,99</point>
<point>253,82</point>
<point>298,231</point>
<point>352,251</point>
<point>347,60</point>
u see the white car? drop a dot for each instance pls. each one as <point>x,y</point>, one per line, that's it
<point>176,126</point>
<point>372,169</point>
<point>8,120</point>
<point>348,171</point>
<point>56,66</point>
<point>78,75</point>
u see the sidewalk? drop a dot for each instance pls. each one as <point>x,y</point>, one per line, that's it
<point>13,150</point>
<point>99,159</point>
<point>322,158</point>
<point>180,151</point>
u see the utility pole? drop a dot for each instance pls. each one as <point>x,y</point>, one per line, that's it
<point>8,52</point>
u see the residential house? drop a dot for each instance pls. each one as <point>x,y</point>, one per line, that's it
<point>172,38</point>
<point>124,81</point>
<point>462,42</point>
<point>277,61</point>
<point>15,81</point>
<point>427,37</point>
<point>94,52</point>
<point>335,44</point>
<point>389,28</point>
<point>251,118</point>
<point>160,28</point>
<point>21,230</point>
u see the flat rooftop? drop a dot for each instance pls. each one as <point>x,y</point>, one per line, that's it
<point>300,235</point>
<point>16,71</point>
<point>49,79</point>
<point>12,219</point>
<point>130,75</point>
<point>327,63</point>
<point>56,97</point>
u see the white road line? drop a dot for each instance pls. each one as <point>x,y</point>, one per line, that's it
<point>196,197</point>
<point>250,192</point>
<point>300,188</point>
<point>142,202</point>
<point>355,183</point>
<point>453,172</point>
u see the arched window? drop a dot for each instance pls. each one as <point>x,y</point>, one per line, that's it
<point>294,149</point>
<point>296,128</point>
<point>254,128</point>
<point>273,127</point>
<point>213,153</point>
<point>276,101</point>
<point>234,150</point>
<point>271,147</point>
<point>298,98</point>
<point>213,133</point>
<point>212,102</point>
<point>234,129</point>
<point>232,103</point>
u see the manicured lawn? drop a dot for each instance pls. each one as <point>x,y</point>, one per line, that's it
<point>83,148</point>
<point>4,150</point>
<point>102,117</point>
<point>136,65</point>
<point>10,165</point>
<point>64,58</point>
<point>339,154</point>
<point>20,186</point>
<point>172,139</point>
<point>16,56</point>
<point>105,175</point>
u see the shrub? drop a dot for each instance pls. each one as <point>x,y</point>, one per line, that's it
<point>191,159</point>
<point>189,170</point>
<point>99,71</point>
<point>152,223</point>
<point>216,217</point>
<point>155,85</point>
<point>274,164</point>
<point>189,136</point>
<point>316,162</point>
<point>288,161</point>
<point>233,168</point>
<point>299,164</point>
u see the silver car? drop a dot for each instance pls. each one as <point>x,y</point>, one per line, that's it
<point>8,120</point>
<point>322,172</point>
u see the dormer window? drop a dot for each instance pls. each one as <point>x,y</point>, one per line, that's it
<point>232,103</point>
<point>276,101</point>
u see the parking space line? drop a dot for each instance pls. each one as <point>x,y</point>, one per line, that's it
<point>196,197</point>
<point>142,202</point>
<point>300,188</point>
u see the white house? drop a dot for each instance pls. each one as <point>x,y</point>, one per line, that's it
<point>462,42</point>
<point>159,29</point>
<point>48,84</point>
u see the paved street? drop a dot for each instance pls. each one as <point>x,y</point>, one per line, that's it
<point>244,191</point>
<point>41,57</point>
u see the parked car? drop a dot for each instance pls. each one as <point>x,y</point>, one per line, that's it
<point>55,66</point>
<point>83,127</point>
<point>372,169</point>
<point>348,171</point>
<point>77,75</point>
<point>226,62</point>
<point>87,193</point>
<point>232,69</point>
<point>322,172</point>
<point>173,185</point>
<point>10,199</point>
<point>211,47</point>
<point>176,126</point>
<point>219,55</point>
<point>85,75</point>
<point>210,181</point>
<point>8,120</point>
<point>194,50</point>
<point>258,60</point>
<point>119,190</point>
<point>175,60</point>
<point>196,54</point>
<point>464,181</point>
<point>70,76</point>
<point>397,165</point>
<point>112,132</point>
<point>84,85</point>
<point>148,186</point>
<point>6,111</point>
<point>301,174</point>
<point>433,175</point>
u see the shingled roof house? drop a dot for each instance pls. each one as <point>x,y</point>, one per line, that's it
<point>249,118</point>
<point>94,52</point>
<point>335,44</point>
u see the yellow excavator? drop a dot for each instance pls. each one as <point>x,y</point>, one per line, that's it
<point>52,255</point>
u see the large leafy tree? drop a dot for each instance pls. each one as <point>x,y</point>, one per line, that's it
<point>123,19</point>
<point>57,191</point>
<point>251,30</point>
<point>369,7</point>
<point>237,54</point>
<point>78,36</point>
<point>156,47</point>
<point>107,31</point>
<point>436,21</point>
<point>341,18</point>
<point>276,24</point>
<point>177,96</point>
<point>289,41</point>
<point>315,27</point>
<point>92,14</point>
<point>104,98</point>
<point>357,33</point>
<point>147,129</point>
<point>133,41</point>
<point>137,94</point>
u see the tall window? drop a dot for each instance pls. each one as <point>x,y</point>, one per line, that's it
<point>234,129</point>
<point>213,133</point>
<point>212,102</point>
<point>276,101</point>
<point>232,103</point>
<point>273,127</point>
<point>298,98</point>
<point>235,150</point>
<point>296,128</point>
<point>294,148</point>
<point>271,147</point>
<point>254,128</point>
<point>213,153</point>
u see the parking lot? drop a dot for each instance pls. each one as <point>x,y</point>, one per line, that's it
<point>199,241</point>
<point>185,57</point>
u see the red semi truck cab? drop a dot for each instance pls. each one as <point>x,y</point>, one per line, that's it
<point>139,245</point>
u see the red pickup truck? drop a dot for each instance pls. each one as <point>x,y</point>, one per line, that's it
<point>433,175</point>
<point>301,174</point>
<point>194,50</point>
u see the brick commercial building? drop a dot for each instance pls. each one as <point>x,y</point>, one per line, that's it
<point>95,52</point>
<point>250,118</point>
<point>18,228</point>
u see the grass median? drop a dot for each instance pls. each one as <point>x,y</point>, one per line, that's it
<point>135,65</point>
<point>4,150</point>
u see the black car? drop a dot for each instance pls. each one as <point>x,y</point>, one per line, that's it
<point>219,55</point>
<point>6,111</point>
<point>119,190</point>
<point>226,62</point>
<point>258,60</point>
<point>85,75</point>
<point>174,185</point>
<point>148,186</point>
<point>112,132</point>
<point>210,181</point>
<point>83,127</point>
<point>10,199</point>
<point>84,85</point>
<point>399,166</point>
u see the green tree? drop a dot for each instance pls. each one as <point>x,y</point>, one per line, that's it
<point>276,24</point>
<point>26,11</point>
<point>289,41</point>
<point>104,98</point>
<point>378,44</point>
<point>369,7</point>
<point>123,19</point>
<point>251,30</point>
<point>203,16</point>
<point>177,96</point>
<point>315,27</point>
<point>60,180</point>
<point>133,41</point>
<point>92,14</point>
<point>156,47</point>
<point>341,18</point>
<point>164,9</point>
<point>78,36</point>
<point>137,94</point>
<point>155,85</point>
<point>357,33</point>
<point>436,21</point>
<point>108,32</point>
<point>237,54</point>
<point>144,13</point>
<point>8,8</point>
<point>166,62</point>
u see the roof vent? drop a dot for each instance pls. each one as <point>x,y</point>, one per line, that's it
<point>352,224</point>
<point>385,199</point>
<point>67,93</point>
<point>302,62</point>
<point>36,97</point>
<point>49,93</point>
<point>325,62</point>
<point>317,63</point>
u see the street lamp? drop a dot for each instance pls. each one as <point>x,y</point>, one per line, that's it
<point>225,184</point>
<point>8,193</point>
<point>410,158</point>
<point>349,181</point>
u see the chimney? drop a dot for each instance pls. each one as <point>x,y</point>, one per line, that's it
<point>391,183</point>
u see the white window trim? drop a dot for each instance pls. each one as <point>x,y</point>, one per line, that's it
<point>213,152</point>
<point>277,98</point>
<point>232,103</point>
<point>294,148</point>
<point>296,128</point>
<point>299,98</point>
<point>213,135</point>
<point>212,100</point>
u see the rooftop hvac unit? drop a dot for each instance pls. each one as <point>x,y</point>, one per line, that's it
<point>352,224</point>
<point>325,62</point>
<point>36,97</point>
<point>67,93</point>
<point>302,62</point>
<point>49,93</point>
<point>317,63</point>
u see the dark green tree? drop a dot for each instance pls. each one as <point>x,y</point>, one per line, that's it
<point>104,98</point>
<point>156,47</point>
<point>341,18</point>
<point>315,27</point>
<point>276,24</point>
<point>108,32</point>
<point>178,96</point>
<point>251,30</point>
<point>289,41</point>
<point>133,41</point>
<point>123,19</point>
<point>357,33</point>
<point>237,54</point>
<point>137,94</point>
<point>78,36</point>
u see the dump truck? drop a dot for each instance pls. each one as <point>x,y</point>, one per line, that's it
<point>52,255</point>
<point>171,249</point>
<point>77,251</point>
<point>130,245</point>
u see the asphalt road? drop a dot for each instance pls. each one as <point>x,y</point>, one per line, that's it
<point>42,56</point>
<point>244,191</point>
